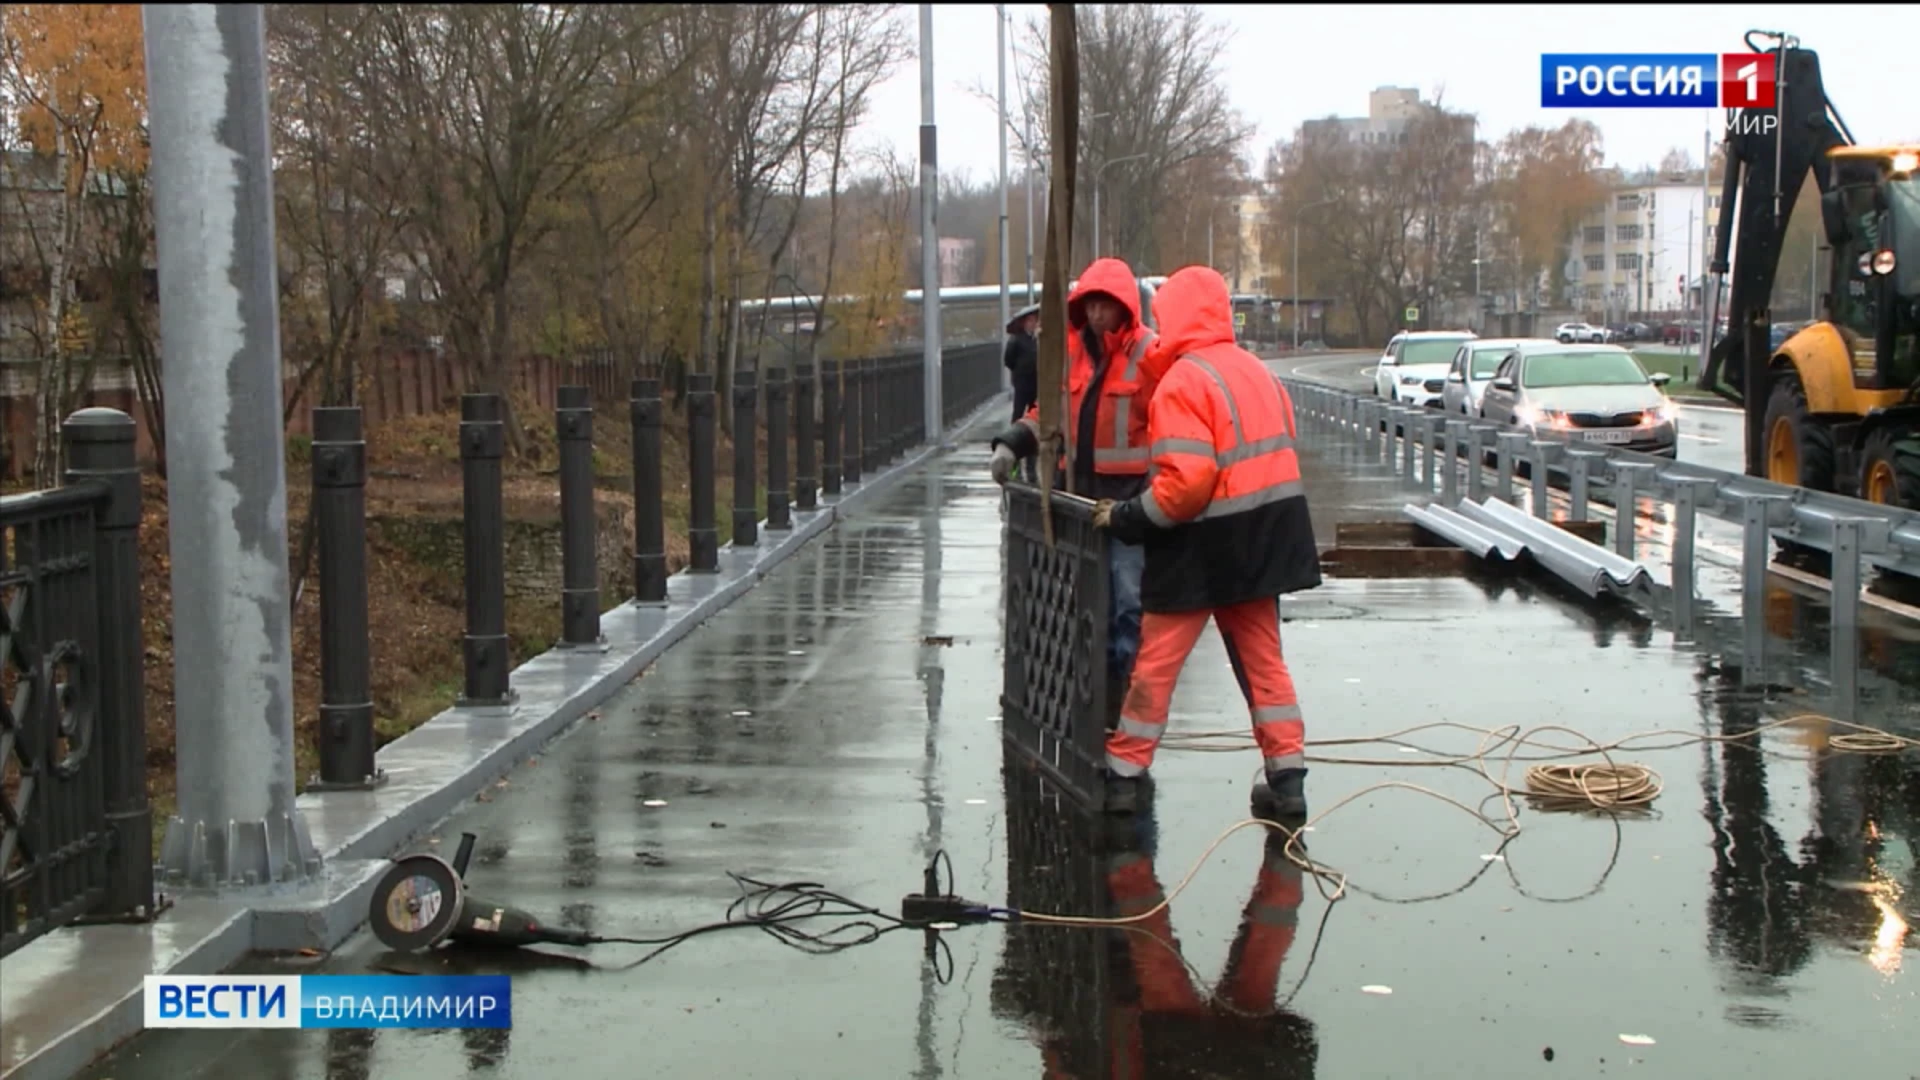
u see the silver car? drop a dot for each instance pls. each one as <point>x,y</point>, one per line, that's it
<point>1472,370</point>
<point>1593,394</point>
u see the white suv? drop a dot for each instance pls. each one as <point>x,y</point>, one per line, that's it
<point>1413,370</point>
<point>1571,333</point>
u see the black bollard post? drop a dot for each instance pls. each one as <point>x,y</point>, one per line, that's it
<point>902,423</point>
<point>483,440</point>
<point>832,427</point>
<point>703,535</point>
<point>649,513</point>
<point>806,462</point>
<point>873,422</point>
<point>579,550</point>
<point>100,446</point>
<point>779,510</point>
<point>346,652</point>
<point>854,406</point>
<point>746,509</point>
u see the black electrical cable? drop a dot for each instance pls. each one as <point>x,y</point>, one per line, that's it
<point>775,907</point>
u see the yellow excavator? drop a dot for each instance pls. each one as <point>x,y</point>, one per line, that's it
<point>1836,406</point>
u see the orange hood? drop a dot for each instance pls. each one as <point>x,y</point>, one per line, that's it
<point>1112,277</point>
<point>1194,310</point>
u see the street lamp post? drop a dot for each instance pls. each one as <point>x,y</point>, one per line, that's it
<point>1097,174</point>
<point>1296,266</point>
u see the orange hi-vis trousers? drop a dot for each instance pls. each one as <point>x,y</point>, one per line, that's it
<point>1252,634</point>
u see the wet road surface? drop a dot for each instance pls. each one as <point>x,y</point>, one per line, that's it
<point>839,724</point>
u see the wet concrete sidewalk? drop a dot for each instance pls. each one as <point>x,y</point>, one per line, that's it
<point>839,724</point>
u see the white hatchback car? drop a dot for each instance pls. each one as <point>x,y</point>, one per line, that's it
<point>1473,368</point>
<point>1579,333</point>
<point>1413,370</point>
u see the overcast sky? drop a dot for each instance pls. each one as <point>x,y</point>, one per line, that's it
<point>1286,64</point>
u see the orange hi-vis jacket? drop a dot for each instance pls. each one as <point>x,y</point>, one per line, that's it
<point>1224,516</point>
<point>1118,414</point>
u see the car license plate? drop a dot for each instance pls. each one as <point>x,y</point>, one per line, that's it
<point>1610,435</point>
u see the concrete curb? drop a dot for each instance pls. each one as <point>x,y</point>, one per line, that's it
<point>56,1025</point>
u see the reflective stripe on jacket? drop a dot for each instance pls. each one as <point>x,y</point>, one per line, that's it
<point>1120,423</point>
<point>1224,488</point>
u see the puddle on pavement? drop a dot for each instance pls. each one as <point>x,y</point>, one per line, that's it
<point>1756,919</point>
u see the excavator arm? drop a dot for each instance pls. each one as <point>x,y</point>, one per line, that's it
<point>1769,153</point>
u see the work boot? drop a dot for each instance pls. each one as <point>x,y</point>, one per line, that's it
<point>1126,794</point>
<point>1282,796</point>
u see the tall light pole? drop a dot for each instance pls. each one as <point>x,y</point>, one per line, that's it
<point>929,233</point>
<point>1006,312</point>
<point>1296,266</point>
<point>1097,174</point>
<point>237,823</point>
<point>1028,117</point>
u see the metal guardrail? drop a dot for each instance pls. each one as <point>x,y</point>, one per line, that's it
<point>1856,534</point>
<point>1890,536</point>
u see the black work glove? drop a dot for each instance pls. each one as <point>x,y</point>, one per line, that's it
<point>1126,521</point>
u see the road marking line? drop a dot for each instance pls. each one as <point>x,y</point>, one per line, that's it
<point>1700,439</point>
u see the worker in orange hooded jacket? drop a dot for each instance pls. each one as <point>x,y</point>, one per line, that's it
<point>1225,526</point>
<point>1107,390</point>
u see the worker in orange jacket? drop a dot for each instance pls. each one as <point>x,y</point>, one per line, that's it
<point>1107,390</point>
<point>1169,1025</point>
<point>1225,526</point>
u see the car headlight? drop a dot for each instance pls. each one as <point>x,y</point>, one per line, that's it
<point>1660,414</point>
<point>1411,380</point>
<point>1541,418</point>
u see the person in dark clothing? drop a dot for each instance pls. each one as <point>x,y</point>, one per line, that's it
<point>1104,416</point>
<point>1023,359</point>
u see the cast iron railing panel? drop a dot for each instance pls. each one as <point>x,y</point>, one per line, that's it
<point>1056,981</point>
<point>54,839</point>
<point>1053,701</point>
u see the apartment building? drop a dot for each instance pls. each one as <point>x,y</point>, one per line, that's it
<point>1643,249</point>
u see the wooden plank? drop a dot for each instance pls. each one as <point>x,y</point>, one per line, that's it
<point>1395,562</point>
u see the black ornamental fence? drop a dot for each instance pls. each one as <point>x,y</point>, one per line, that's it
<point>75,824</point>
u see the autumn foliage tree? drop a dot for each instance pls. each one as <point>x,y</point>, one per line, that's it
<point>76,74</point>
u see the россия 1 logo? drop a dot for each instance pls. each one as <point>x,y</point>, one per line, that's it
<point>1657,80</point>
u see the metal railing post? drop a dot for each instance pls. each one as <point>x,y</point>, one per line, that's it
<point>1852,539</point>
<point>649,510</point>
<point>779,510</point>
<point>703,534</point>
<point>1450,480</point>
<point>579,525</point>
<point>100,445</point>
<point>1580,462</point>
<point>1759,515</point>
<point>1479,439</point>
<point>806,464</point>
<point>485,647</point>
<point>854,404</point>
<point>746,508</point>
<point>873,417</point>
<point>1686,501</point>
<point>1506,449</point>
<point>346,651</point>
<point>832,427</point>
<point>1541,470</point>
<point>1626,504</point>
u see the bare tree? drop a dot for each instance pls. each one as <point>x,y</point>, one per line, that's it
<point>491,112</point>
<point>338,227</point>
<point>1153,99</point>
